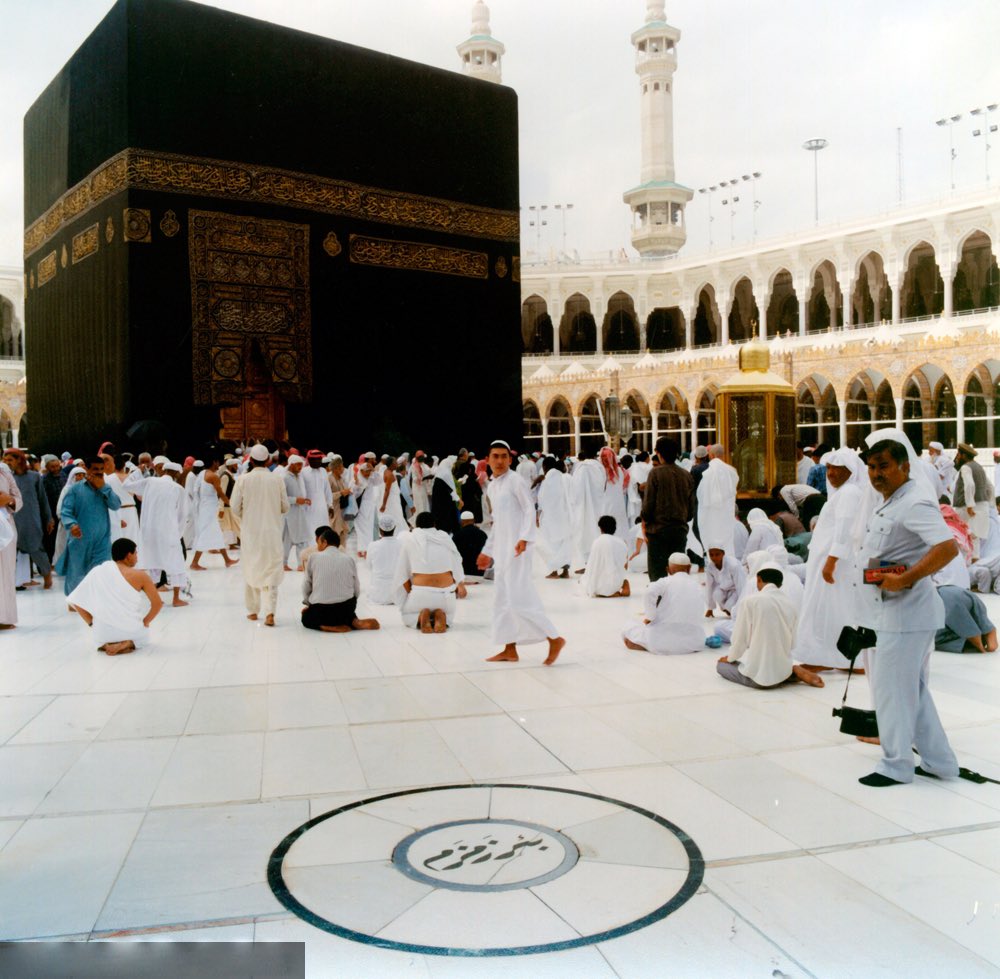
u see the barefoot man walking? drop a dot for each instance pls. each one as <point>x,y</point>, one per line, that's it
<point>518,616</point>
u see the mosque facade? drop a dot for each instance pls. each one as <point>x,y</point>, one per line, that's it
<point>889,321</point>
<point>12,383</point>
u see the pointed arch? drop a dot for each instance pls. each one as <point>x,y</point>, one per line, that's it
<point>783,307</point>
<point>707,320</point>
<point>871,301</point>
<point>577,328</point>
<point>620,329</point>
<point>744,316</point>
<point>559,426</point>
<point>818,415</point>
<point>982,405</point>
<point>824,310</point>
<point>929,407</point>
<point>976,284</point>
<point>642,421</point>
<point>665,329</point>
<point>536,326</point>
<point>923,288</point>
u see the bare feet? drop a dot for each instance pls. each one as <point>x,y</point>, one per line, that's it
<point>506,655</point>
<point>868,740</point>
<point>581,570</point>
<point>117,648</point>
<point>626,589</point>
<point>555,648</point>
<point>47,583</point>
<point>252,616</point>
<point>990,640</point>
<point>229,561</point>
<point>634,645</point>
<point>440,621</point>
<point>806,676</point>
<point>283,568</point>
<point>565,572</point>
<point>9,625</point>
<point>334,628</point>
<point>369,624</point>
<point>424,621</point>
<point>269,619</point>
<point>197,567</point>
<point>179,603</point>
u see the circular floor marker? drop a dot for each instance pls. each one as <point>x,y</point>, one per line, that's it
<point>474,870</point>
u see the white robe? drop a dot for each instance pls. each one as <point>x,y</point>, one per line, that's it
<point>717,505</point>
<point>118,609</point>
<point>421,477</point>
<point>164,516</point>
<point>762,536</point>
<point>297,530</point>
<point>127,514</point>
<point>207,529</point>
<point>723,585</point>
<point>763,636</point>
<point>638,474</point>
<point>613,504</point>
<point>317,484</point>
<point>740,537</point>
<point>586,495</point>
<point>426,551</point>
<point>383,557</point>
<point>518,615</point>
<point>606,568</point>
<point>368,493</point>
<point>672,604</point>
<point>259,503</point>
<point>827,608</point>
<point>394,505</point>
<point>555,532</point>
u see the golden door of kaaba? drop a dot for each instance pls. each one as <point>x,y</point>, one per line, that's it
<point>261,413</point>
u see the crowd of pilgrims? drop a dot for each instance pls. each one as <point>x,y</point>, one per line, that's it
<point>598,515</point>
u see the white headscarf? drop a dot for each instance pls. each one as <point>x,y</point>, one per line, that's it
<point>757,517</point>
<point>918,473</point>
<point>443,471</point>
<point>846,459</point>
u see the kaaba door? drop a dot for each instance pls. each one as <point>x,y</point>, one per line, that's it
<point>261,414</point>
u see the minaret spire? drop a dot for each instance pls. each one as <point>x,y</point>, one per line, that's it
<point>481,52</point>
<point>658,202</point>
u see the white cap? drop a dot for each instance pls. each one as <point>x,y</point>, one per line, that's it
<point>700,452</point>
<point>329,457</point>
<point>679,559</point>
<point>386,522</point>
<point>199,462</point>
<point>232,461</point>
<point>296,460</point>
<point>467,515</point>
<point>160,461</point>
<point>259,453</point>
<point>936,445</point>
<point>174,467</point>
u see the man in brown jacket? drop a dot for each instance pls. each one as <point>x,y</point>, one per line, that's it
<point>666,508</point>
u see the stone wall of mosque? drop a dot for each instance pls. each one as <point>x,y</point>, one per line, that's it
<point>884,322</point>
<point>12,384</point>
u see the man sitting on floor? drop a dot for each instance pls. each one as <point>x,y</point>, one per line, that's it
<point>672,621</point>
<point>428,577</point>
<point>604,576</point>
<point>724,579</point>
<point>761,653</point>
<point>330,588</point>
<point>383,556</point>
<point>112,598</point>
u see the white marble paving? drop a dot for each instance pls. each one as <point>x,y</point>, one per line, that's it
<point>141,797</point>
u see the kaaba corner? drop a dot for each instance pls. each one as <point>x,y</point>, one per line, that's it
<point>234,230</point>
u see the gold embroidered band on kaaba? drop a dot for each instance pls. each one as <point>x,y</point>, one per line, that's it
<point>418,257</point>
<point>135,169</point>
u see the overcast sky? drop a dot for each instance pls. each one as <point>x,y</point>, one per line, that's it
<point>754,80</point>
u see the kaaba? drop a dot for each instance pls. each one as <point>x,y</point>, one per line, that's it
<point>235,229</point>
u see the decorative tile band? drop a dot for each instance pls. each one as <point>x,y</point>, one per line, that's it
<point>137,169</point>
<point>417,256</point>
<point>86,242</point>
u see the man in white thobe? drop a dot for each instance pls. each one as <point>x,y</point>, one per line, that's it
<point>761,653</point>
<point>586,499</point>
<point>945,468</point>
<point>717,501</point>
<point>297,532</point>
<point>428,577</point>
<point>164,517</point>
<point>672,619</point>
<point>317,483</point>
<point>518,616</point>
<point>383,556</point>
<point>259,502</point>
<point>604,576</point>
<point>724,578</point>
<point>555,531</point>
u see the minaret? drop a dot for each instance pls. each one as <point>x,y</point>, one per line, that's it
<point>481,53</point>
<point>658,202</point>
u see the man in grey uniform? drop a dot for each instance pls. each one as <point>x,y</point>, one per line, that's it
<point>907,529</point>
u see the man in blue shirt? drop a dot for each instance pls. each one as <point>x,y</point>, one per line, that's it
<point>905,529</point>
<point>84,514</point>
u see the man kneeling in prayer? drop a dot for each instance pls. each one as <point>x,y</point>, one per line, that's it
<point>761,653</point>
<point>112,598</point>
<point>604,576</point>
<point>429,577</point>
<point>330,589</point>
<point>672,620</point>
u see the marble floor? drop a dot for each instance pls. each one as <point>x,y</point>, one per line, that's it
<point>401,806</point>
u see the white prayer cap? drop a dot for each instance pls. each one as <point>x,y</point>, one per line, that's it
<point>259,453</point>
<point>199,462</point>
<point>500,444</point>
<point>680,559</point>
<point>329,457</point>
<point>700,452</point>
<point>296,460</point>
<point>232,461</point>
<point>936,445</point>
<point>770,566</point>
<point>467,515</point>
<point>174,467</point>
<point>386,522</point>
<point>160,461</point>
<point>370,455</point>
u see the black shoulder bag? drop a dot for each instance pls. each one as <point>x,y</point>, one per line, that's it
<point>854,720</point>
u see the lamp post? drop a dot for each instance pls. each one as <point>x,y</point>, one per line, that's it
<point>985,131</point>
<point>950,121</point>
<point>814,145</point>
<point>709,190</point>
<point>537,222</point>
<point>563,209</point>
<point>753,178</point>
<point>731,203</point>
